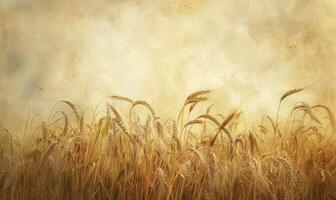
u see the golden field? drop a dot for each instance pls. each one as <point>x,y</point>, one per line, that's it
<point>245,139</point>
<point>200,154</point>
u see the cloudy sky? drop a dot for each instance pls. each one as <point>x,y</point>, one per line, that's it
<point>247,51</point>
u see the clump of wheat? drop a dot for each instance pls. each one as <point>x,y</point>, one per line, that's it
<point>199,155</point>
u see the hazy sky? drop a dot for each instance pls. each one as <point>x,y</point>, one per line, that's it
<point>248,51</point>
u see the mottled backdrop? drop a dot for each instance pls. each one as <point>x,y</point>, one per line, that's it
<point>248,51</point>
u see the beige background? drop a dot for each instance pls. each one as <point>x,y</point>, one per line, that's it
<point>248,51</point>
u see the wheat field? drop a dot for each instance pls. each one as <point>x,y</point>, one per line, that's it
<point>199,155</point>
<point>94,99</point>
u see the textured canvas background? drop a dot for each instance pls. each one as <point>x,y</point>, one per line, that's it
<point>248,51</point>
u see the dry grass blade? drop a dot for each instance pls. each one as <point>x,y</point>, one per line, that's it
<point>209,109</point>
<point>307,109</point>
<point>213,140</point>
<point>290,93</point>
<point>123,99</point>
<point>330,114</point>
<point>209,117</point>
<point>227,120</point>
<point>311,114</point>
<point>148,106</point>
<point>195,121</point>
<point>222,128</point>
<point>74,109</point>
